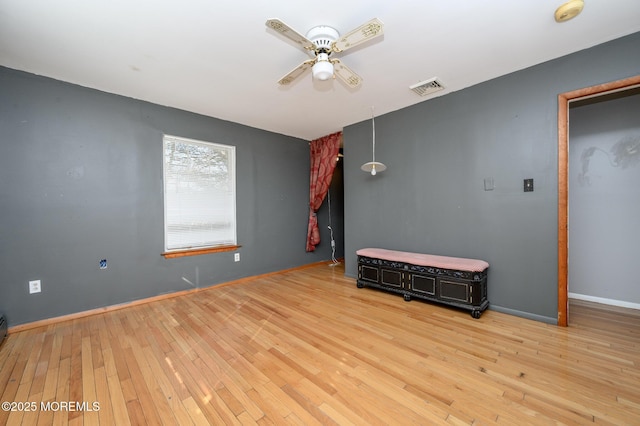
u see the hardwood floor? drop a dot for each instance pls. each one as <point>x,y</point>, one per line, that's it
<point>308,347</point>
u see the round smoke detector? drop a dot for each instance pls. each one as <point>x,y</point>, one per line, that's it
<point>322,36</point>
<point>569,10</point>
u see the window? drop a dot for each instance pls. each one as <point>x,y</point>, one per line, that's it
<point>199,196</point>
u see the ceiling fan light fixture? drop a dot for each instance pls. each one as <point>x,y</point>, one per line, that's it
<point>322,41</point>
<point>322,69</point>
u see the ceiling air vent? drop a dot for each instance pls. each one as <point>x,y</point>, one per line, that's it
<point>427,87</point>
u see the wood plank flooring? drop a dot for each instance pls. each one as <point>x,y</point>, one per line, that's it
<point>307,347</point>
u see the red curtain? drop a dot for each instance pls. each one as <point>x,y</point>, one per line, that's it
<point>324,152</point>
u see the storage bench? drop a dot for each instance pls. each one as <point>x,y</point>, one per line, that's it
<point>452,281</point>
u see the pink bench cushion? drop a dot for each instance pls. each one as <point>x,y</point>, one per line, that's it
<point>444,262</point>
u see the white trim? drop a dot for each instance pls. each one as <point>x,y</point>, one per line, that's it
<point>602,300</point>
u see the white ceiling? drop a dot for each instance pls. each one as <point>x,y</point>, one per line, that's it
<point>218,58</point>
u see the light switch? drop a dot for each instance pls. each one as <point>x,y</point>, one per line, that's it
<point>528,185</point>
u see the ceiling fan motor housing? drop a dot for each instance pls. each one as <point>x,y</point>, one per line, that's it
<point>323,36</point>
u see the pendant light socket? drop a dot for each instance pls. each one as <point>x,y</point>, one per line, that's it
<point>373,167</point>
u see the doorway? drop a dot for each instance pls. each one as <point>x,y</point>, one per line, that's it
<point>563,180</point>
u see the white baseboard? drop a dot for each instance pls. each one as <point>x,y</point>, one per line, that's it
<point>604,301</point>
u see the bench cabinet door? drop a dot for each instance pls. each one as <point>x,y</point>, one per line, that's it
<point>423,284</point>
<point>454,291</point>
<point>391,277</point>
<point>369,273</point>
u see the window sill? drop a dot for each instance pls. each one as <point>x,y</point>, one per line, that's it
<point>199,251</point>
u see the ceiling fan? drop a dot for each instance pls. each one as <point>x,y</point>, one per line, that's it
<point>322,41</point>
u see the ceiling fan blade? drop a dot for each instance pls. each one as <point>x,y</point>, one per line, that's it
<point>290,33</point>
<point>296,72</point>
<point>345,74</point>
<point>363,33</point>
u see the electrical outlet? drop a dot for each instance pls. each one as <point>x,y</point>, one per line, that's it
<point>35,286</point>
<point>236,257</point>
<point>488,184</point>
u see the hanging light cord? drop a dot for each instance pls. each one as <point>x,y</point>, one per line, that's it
<point>333,242</point>
<point>373,125</point>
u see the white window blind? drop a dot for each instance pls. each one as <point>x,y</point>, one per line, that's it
<point>199,194</point>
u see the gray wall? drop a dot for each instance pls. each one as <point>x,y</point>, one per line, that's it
<point>431,199</point>
<point>604,199</point>
<point>81,180</point>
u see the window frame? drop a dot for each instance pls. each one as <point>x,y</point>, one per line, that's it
<point>198,249</point>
